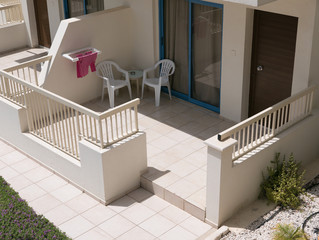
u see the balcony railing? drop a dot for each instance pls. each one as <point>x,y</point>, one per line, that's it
<point>61,122</point>
<point>10,14</point>
<point>263,126</point>
<point>29,71</point>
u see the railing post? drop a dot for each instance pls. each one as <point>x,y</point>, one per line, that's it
<point>219,163</point>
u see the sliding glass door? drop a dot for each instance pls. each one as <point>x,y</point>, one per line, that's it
<point>191,34</point>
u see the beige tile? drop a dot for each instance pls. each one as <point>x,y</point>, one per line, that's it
<point>174,214</point>
<point>82,203</point>
<point>98,214</point>
<point>12,156</point>
<point>157,225</point>
<point>155,203</point>
<point>122,204</point>
<point>182,168</point>
<point>76,226</point>
<point>165,180</point>
<point>37,174</point>
<point>195,226</point>
<point>137,213</point>
<point>194,143</point>
<point>24,165</point>
<point>140,194</point>
<point>136,233</point>
<point>44,204</point>
<point>31,192</point>
<point>183,188</point>
<point>116,226</point>
<point>178,135</point>
<point>152,187</point>
<point>151,135</point>
<point>163,128</point>
<point>163,159</point>
<point>180,150</point>
<point>193,127</point>
<point>51,183</point>
<point>5,149</point>
<point>7,173</point>
<point>198,198</point>
<point>195,210</point>
<point>163,143</point>
<point>60,214</point>
<point>152,150</point>
<point>197,177</point>
<point>95,234</point>
<point>197,158</point>
<point>19,182</point>
<point>172,198</point>
<point>177,233</point>
<point>66,193</point>
<point>2,165</point>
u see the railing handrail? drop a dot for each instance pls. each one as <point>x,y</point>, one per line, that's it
<point>228,132</point>
<point>67,102</point>
<point>9,6</point>
<point>28,63</point>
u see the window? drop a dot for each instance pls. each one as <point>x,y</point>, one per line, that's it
<point>74,8</point>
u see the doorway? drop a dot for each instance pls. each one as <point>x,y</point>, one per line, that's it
<point>42,20</point>
<point>273,54</point>
<point>191,36</point>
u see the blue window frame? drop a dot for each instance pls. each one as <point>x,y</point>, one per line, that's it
<point>188,96</point>
<point>73,8</point>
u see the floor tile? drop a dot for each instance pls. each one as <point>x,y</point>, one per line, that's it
<point>82,203</point>
<point>164,143</point>
<point>5,149</point>
<point>66,193</point>
<point>174,214</point>
<point>24,165</point>
<point>37,174</point>
<point>195,226</point>
<point>98,214</point>
<point>44,204</point>
<point>136,233</point>
<point>7,173</point>
<point>116,226</point>
<point>19,182</point>
<point>139,194</point>
<point>12,157</point>
<point>178,233</point>
<point>95,234</point>
<point>60,214</point>
<point>51,183</point>
<point>197,177</point>
<point>183,188</point>
<point>182,168</point>
<point>76,226</point>
<point>137,213</point>
<point>31,192</point>
<point>121,204</point>
<point>155,203</point>
<point>157,225</point>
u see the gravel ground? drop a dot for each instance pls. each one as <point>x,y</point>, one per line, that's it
<point>263,227</point>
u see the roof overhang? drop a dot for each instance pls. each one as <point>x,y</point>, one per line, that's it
<point>254,3</point>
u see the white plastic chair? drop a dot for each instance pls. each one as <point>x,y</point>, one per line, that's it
<point>104,71</point>
<point>167,68</point>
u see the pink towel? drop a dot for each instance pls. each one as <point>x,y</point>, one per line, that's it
<point>86,60</point>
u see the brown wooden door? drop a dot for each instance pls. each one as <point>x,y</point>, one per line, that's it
<point>42,19</point>
<point>274,43</point>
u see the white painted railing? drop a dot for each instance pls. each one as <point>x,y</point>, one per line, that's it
<point>29,71</point>
<point>263,126</point>
<point>62,123</point>
<point>10,14</point>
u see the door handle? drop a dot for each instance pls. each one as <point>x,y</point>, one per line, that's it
<point>260,68</point>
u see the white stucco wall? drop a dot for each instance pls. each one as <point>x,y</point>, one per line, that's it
<point>13,37</point>
<point>54,16</point>
<point>30,22</point>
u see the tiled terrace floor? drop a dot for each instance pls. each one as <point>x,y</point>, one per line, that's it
<point>138,215</point>
<point>177,155</point>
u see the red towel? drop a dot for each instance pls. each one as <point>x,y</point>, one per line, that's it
<point>86,60</point>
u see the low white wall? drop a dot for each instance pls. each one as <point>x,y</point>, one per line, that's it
<point>30,22</point>
<point>13,37</point>
<point>106,174</point>
<point>231,187</point>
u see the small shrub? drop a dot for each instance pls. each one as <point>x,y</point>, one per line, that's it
<point>288,232</point>
<point>18,221</point>
<point>283,185</point>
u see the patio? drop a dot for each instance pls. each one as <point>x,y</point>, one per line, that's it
<point>177,155</point>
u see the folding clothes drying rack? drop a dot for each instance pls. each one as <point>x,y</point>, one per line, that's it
<point>72,55</point>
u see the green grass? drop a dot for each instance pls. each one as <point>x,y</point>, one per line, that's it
<point>19,221</point>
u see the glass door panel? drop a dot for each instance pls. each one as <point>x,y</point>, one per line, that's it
<point>206,41</point>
